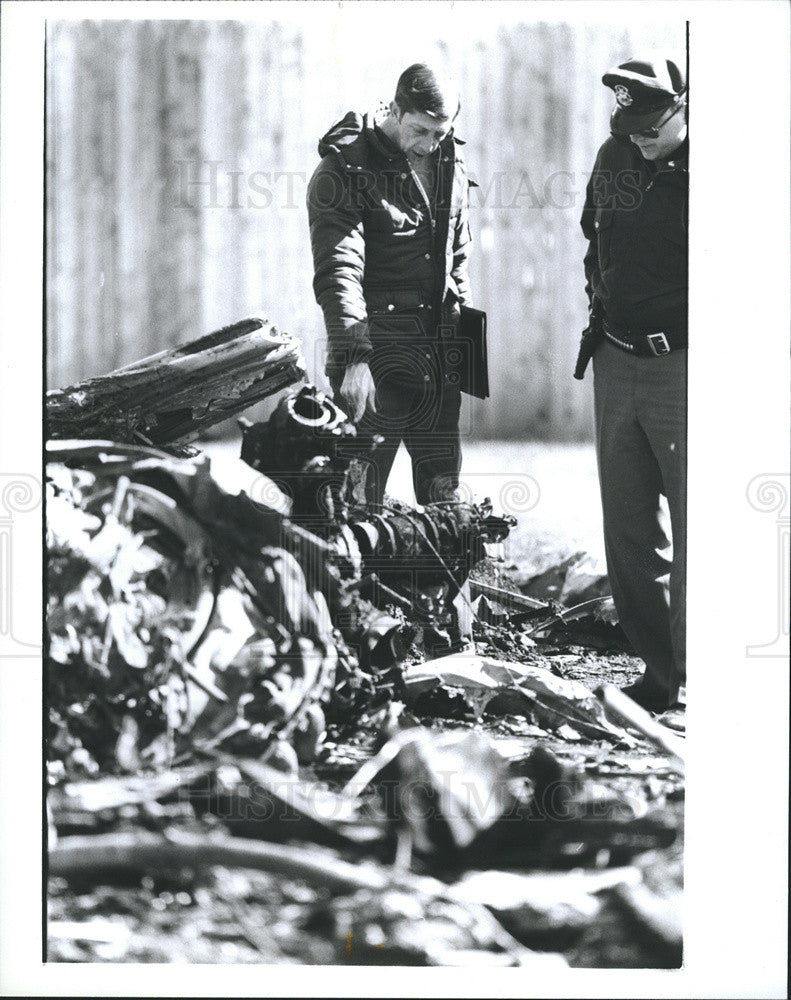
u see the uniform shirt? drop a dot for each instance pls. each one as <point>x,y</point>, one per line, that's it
<point>387,260</point>
<point>636,219</point>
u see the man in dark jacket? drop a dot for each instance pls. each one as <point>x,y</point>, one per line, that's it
<point>635,218</point>
<point>388,208</point>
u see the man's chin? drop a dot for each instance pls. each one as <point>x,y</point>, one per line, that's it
<point>648,150</point>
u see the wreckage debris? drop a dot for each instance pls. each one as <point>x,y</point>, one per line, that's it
<point>119,582</point>
<point>413,560</point>
<point>517,688</point>
<point>300,448</point>
<point>542,907</point>
<point>451,792</point>
<point>447,539</point>
<point>200,643</point>
<point>401,927</point>
<point>170,398</point>
<point>304,448</point>
<point>574,580</point>
<point>454,799</point>
<point>135,543</point>
<point>621,706</point>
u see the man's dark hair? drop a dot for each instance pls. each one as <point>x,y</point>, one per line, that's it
<point>426,90</point>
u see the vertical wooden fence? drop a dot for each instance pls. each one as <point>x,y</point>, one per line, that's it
<point>178,158</point>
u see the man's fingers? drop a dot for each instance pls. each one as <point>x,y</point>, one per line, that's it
<point>358,393</point>
<point>356,406</point>
<point>348,403</point>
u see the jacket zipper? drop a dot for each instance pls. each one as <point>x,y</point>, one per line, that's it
<point>423,194</point>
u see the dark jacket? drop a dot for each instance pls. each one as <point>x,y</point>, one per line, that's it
<point>636,219</point>
<point>388,267</point>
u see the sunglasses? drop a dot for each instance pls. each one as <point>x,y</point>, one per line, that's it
<point>653,132</point>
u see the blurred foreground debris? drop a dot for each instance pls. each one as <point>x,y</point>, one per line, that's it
<point>171,397</point>
<point>452,798</point>
<point>418,920</point>
<point>453,795</point>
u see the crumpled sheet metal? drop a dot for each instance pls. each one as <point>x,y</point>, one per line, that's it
<point>553,700</point>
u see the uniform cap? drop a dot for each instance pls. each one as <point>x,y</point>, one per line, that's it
<point>645,87</point>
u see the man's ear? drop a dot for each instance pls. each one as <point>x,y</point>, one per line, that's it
<point>395,111</point>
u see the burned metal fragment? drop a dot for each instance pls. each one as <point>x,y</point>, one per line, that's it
<point>171,397</point>
<point>298,449</point>
<point>393,556</point>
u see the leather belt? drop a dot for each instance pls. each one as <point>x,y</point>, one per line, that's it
<point>646,345</point>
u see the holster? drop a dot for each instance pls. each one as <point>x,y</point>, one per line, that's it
<point>592,336</point>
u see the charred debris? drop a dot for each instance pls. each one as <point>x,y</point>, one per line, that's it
<point>229,670</point>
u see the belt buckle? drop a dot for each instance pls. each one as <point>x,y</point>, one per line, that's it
<point>658,344</point>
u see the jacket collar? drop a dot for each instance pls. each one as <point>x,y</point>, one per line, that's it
<point>376,137</point>
<point>679,159</point>
<point>676,163</point>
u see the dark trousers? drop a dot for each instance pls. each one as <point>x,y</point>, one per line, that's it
<point>425,416</point>
<point>641,426</point>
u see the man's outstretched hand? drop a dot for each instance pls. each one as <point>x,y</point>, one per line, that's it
<point>358,391</point>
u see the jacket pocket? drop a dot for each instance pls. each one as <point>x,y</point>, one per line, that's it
<point>602,223</point>
<point>672,231</point>
<point>397,313</point>
<point>388,221</point>
<point>393,298</point>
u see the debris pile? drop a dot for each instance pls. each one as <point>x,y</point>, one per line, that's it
<point>174,609</point>
<point>329,699</point>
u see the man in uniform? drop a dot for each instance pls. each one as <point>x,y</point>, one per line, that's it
<point>635,219</point>
<point>388,208</point>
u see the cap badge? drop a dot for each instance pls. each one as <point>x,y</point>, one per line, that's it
<point>622,95</point>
